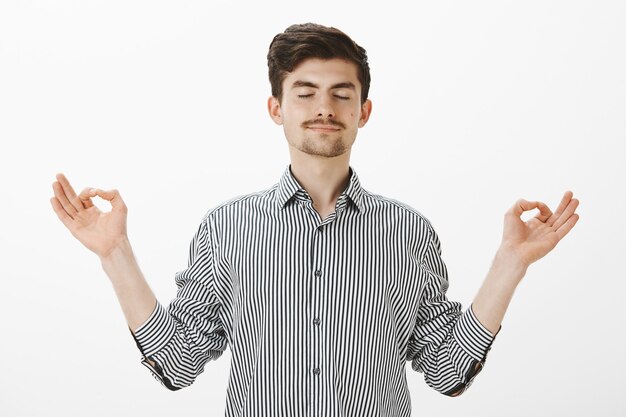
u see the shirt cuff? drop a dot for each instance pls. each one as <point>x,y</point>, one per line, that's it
<point>156,332</point>
<point>472,336</point>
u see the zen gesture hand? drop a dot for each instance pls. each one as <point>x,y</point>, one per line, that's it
<point>99,231</point>
<point>530,241</point>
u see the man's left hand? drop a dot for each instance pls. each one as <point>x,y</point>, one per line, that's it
<point>529,241</point>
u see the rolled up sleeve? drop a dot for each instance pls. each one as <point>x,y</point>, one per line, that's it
<point>447,344</point>
<point>183,337</point>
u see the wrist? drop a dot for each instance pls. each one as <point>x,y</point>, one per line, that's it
<point>508,258</point>
<point>121,253</point>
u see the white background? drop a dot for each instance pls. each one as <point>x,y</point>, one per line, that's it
<point>475,104</point>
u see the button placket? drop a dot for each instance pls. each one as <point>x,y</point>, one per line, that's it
<point>318,262</point>
<point>315,313</point>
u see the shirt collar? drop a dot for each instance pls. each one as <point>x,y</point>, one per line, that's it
<point>289,188</point>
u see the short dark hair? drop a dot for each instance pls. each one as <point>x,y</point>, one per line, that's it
<point>309,40</point>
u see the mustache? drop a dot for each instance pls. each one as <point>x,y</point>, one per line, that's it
<point>328,122</point>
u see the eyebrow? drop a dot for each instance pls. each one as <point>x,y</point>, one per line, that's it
<point>346,84</point>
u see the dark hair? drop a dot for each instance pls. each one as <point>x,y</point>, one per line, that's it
<point>309,40</point>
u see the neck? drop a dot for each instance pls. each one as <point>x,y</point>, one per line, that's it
<point>324,179</point>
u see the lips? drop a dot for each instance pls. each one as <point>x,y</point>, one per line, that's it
<point>323,128</point>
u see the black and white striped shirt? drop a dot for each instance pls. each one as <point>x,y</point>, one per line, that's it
<point>321,315</point>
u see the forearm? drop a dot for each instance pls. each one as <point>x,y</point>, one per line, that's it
<point>133,292</point>
<point>497,289</point>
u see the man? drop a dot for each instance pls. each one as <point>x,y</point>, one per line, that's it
<point>321,289</point>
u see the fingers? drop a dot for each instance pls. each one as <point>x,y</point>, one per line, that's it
<point>561,221</point>
<point>61,197</point>
<point>567,226</point>
<point>61,213</point>
<point>66,185</point>
<point>69,193</point>
<point>563,212</point>
<point>67,204</point>
<point>113,196</point>
<point>544,212</point>
<point>564,203</point>
<point>566,214</point>
<point>522,205</point>
<point>85,197</point>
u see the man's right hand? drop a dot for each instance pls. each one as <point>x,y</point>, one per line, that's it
<point>99,231</point>
<point>104,233</point>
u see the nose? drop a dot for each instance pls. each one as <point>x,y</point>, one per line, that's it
<point>325,108</point>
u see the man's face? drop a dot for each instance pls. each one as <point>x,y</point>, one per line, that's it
<point>321,107</point>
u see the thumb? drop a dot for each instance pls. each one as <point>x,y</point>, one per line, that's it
<point>112,196</point>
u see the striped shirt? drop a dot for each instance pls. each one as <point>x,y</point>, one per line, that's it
<point>321,315</point>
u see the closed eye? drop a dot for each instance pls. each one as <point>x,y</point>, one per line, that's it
<point>336,96</point>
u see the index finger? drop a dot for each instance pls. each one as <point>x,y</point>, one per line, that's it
<point>544,212</point>
<point>522,205</point>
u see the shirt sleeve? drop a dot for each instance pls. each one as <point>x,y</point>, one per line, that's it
<point>448,345</point>
<point>183,337</point>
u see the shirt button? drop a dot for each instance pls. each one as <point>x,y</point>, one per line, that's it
<point>316,371</point>
<point>318,273</point>
<point>316,321</point>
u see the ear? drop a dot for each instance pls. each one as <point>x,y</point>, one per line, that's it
<point>273,107</point>
<point>366,110</point>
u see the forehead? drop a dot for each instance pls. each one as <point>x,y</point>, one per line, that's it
<point>323,72</point>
